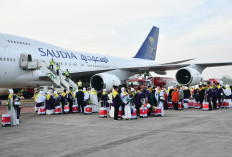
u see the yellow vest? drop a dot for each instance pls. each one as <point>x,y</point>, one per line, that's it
<point>52,62</point>
<point>67,73</point>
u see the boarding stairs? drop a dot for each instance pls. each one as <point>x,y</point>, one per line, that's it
<point>58,80</point>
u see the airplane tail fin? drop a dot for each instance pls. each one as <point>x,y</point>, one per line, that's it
<point>149,46</point>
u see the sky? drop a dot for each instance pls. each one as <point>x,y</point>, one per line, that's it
<point>200,29</point>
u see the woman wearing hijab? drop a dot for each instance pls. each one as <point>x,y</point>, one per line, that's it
<point>11,108</point>
<point>126,103</point>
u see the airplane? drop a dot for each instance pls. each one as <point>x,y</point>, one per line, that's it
<point>103,71</point>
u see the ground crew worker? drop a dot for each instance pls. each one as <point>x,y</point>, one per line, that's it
<point>79,83</point>
<point>52,63</point>
<point>57,69</point>
<point>67,74</point>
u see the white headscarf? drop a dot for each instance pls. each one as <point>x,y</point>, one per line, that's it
<point>123,89</point>
<point>11,91</point>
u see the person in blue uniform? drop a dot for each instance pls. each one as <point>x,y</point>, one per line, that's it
<point>50,107</point>
<point>138,100</point>
<point>80,99</point>
<point>116,102</point>
<point>149,99</point>
<point>64,99</point>
<point>70,98</point>
<point>214,95</point>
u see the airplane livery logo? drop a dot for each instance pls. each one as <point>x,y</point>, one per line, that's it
<point>56,53</point>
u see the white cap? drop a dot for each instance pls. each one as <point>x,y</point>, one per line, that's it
<point>104,90</point>
<point>55,92</point>
<point>11,91</point>
<point>123,89</point>
<point>132,89</point>
<point>196,86</point>
<point>92,89</point>
<point>171,87</point>
<point>84,89</point>
<point>186,88</point>
<point>227,86</point>
<point>49,92</point>
<point>41,92</point>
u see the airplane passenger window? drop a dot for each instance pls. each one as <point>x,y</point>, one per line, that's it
<point>7,59</point>
<point>65,63</point>
<point>11,59</point>
<point>20,42</point>
<point>14,59</point>
<point>0,58</point>
<point>4,59</point>
<point>69,64</point>
<point>15,42</point>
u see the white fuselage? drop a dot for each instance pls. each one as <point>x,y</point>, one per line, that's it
<point>12,76</point>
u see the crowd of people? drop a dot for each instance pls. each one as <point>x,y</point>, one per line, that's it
<point>123,102</point>
<point>128,100</point>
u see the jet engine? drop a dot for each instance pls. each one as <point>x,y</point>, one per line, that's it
<point>188,76</point>
<point>104,81</point>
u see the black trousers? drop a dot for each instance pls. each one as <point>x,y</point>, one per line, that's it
<point>18,109</point>
<point>70,105</point>
<point>209,101</point>
<point>219,100</point>
<point>175,105</point>
<point>138,110</point>
<point>116,109</point>
<point>63,103</point>
<point>149,111</point>
<point>123,112</point>
<point>214,100</point>
<point>57,72</point>
<point>201,101</point>
<point>51,67</point>
<point>81,106</point>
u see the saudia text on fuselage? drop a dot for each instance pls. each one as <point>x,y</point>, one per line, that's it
<point>70,55</point>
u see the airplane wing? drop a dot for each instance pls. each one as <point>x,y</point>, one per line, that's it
<point>164,67</point>
<point>182,61</point>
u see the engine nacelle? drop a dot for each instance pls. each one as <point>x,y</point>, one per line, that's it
<point>104,81</point>
<point>188,76</point>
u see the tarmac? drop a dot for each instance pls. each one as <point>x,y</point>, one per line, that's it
<point>191,132</point>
